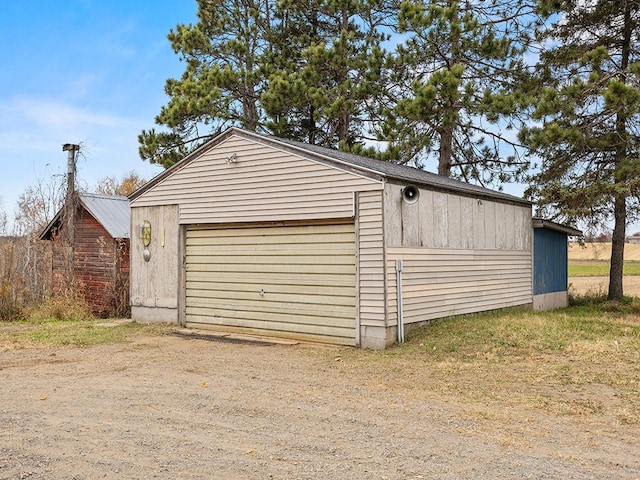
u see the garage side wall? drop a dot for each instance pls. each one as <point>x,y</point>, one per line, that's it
<point>154,283</point>
<point>460,254</point>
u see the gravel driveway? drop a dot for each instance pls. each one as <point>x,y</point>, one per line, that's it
<point>168,407</point>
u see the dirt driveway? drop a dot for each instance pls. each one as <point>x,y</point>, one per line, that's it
<point>167,407</point>
<point>590,285</point>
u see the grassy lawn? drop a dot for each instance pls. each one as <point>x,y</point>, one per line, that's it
<point>595,268</point>
<point>583,360</point>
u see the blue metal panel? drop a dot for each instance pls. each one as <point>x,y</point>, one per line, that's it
<point>549,261</point>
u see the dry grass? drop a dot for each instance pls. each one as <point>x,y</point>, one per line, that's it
<point>73,333</point>
<point>581,361</point>
<point>61,307</point>
<point>601,251</point>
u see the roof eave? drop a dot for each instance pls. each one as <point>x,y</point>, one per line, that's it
<point>548,224</point>
<point>348,166</point>
<point>45,234</point>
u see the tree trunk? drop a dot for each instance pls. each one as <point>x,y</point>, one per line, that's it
<point>343,117</point>
<point>447,126</point>
<point>617,249</point>
<point>620,201</point>
<point>446,151</point>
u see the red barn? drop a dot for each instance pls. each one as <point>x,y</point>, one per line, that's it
<point>91,252</point>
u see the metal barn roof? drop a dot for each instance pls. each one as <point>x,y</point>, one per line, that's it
<point>112,212</point>
<point>558,227</point>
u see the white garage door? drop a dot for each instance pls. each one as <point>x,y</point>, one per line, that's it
<point>289,281</point>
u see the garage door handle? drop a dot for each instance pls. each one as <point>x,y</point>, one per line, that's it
<point>262,292</point>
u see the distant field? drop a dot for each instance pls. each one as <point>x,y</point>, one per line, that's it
<point>589,268</point>
<point>594,268</point>
<point>600,285</point>
<point>601,251</point>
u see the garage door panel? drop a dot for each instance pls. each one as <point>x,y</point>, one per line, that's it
<point>272,298</point>
<point>275,268</point>
<point>293,235</point>
<point>326,335</point>
<point>305,293</point>
<point>281,279</point>
<point>307,275</point>
<point>268,320</point>
<point>271,250</point>
<point>302,309</point>
<point>266,258</point>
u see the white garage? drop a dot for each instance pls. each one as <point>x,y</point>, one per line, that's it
<point>259,235</point>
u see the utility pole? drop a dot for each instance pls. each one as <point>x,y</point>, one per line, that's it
<point>71,167</point>
<point>69,213</point>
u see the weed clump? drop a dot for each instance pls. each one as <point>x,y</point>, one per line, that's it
<point>10,308</point>
<point>63,307</point>
<point>597,301</point>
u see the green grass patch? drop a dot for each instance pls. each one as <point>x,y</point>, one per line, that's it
<point>596,268</point>
<point>518,332</point>
<point>76,333</point>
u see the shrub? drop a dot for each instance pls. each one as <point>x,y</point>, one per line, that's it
<point>10,308</point>
<point>61,307</point>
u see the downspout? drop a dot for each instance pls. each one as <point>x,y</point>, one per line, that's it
<point>399,301</point>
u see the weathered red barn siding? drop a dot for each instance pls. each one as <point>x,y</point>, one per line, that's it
<point>59,254</point>
<point>100,266</point>
<point>94,263</point>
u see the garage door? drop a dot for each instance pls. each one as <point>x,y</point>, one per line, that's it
<point>289,281</point>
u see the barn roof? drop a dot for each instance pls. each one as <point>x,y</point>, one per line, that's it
<point>112,212</point>
<point>376,168</point>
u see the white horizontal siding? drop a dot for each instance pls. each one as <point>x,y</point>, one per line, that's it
<point>443,282</point>
<point>371,274</point>
<point>263,184</point>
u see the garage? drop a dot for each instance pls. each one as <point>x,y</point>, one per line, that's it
<point>297,281</point>
<point>253,234</point>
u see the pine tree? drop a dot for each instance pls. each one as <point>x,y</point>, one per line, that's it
<point>455,85</point>
<point>589,117</point>
<point>222,81</point>
<point>326,62</point>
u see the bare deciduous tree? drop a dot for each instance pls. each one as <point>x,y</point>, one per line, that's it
<point>123,187</point>
<point>38,204</point>
<point>25,261</point>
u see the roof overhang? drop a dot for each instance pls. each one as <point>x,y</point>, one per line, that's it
<point>549,225</point>
<point>362,167</point>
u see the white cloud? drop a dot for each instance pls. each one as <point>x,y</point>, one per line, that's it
<point>57,116</point>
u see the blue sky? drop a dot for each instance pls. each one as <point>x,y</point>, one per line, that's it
<point>84,71</point>
<point>89,71</point>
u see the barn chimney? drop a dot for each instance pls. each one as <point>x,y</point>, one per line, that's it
<point>71,167</point>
